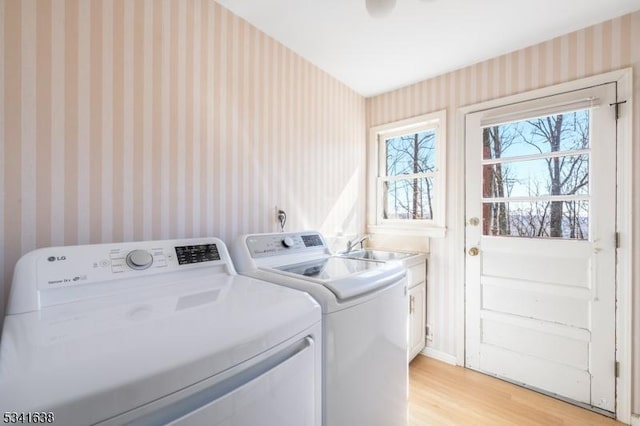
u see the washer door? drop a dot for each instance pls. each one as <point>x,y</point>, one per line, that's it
<point>345,277</point>
<point>281,388</point>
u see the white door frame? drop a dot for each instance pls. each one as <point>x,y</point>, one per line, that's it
<point>624,219</point>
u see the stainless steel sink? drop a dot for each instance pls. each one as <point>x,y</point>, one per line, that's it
<point>378,255</point>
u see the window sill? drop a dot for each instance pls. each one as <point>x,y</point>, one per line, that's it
<point>418,231</point>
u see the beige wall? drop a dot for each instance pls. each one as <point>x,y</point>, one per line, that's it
<point>123,120</point>
<point>127,120</point>
<point>605,47</point>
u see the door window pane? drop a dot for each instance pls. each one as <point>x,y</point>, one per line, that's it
<point>537,219</point>
<point>564,175</point>
<point>560,132</point>
<point>557,168</point>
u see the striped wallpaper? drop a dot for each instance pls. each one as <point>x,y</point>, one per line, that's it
<point>604,47</point>
<point>128,120</point>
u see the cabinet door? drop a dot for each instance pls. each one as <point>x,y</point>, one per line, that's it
<point>417,320</point>
<point>416,274</point>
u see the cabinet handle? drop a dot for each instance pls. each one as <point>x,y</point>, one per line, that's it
<point>411,304</point>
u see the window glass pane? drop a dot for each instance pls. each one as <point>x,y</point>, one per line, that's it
<point>565,175</point>
<point>537,219</point>
<point>408,199</point>
<point>412,153</point>
<point>553,133</point>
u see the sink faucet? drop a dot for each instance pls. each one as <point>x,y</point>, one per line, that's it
<point>355,242</point>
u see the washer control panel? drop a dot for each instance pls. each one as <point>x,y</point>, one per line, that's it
<point>139,259</point>
<point>197,253</point>
<point>77,265</point>
<point>265,245</point>
<point>54,275</point>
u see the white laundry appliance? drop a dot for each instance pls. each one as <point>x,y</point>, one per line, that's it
<point>364,322</point>
<point>155,333</point>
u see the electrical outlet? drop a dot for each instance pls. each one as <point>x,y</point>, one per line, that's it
<point>429,333</point>
<point>281,218</point>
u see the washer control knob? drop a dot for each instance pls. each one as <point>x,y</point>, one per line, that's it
<point>139,259</point>
<point>288,242</point>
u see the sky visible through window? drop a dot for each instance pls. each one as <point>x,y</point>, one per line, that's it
<point>411,154</point>
<point>562,175</point>
<point>532,177</point>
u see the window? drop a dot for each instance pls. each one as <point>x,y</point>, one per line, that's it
<point>535,177</point>
<point>406,173</point>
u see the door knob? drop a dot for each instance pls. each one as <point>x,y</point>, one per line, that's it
<point>473,251</point>
<point>474,221</point>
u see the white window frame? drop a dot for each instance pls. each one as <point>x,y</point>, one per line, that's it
<point>376,161</point>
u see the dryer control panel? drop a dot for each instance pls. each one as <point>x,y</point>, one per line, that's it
<point>55,274</point>
<point>265,245</point>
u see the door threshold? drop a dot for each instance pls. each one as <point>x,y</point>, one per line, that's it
<point>556,396</point>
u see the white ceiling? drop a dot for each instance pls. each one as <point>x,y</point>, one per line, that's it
<point>419,39</point>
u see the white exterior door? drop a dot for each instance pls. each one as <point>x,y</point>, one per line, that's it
<point>541,246</point>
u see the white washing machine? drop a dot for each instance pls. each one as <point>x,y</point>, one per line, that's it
<point>364,322</point>
<point>154,333</point>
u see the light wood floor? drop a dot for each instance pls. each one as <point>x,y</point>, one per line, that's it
<point>442,394</point>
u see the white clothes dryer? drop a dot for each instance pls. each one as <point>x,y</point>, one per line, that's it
<point>158,332</point>
<point>365,373</point>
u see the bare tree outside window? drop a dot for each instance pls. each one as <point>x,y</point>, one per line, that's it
<point>410,166</point>
<point>538,172</point>
<point>409,176</point>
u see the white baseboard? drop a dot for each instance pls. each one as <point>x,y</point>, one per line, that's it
<point>635,420</point>
<point>440,356</point>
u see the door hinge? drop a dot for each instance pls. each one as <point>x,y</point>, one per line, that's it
<point>617,106</point>
<point>617,368</point>
<point>617,239</point>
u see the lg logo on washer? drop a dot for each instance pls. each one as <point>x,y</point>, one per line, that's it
<point>54,258</point>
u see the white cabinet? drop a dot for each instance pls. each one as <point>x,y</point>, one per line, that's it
<point>416,277</point>
<point>416,320</point>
